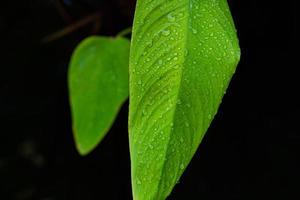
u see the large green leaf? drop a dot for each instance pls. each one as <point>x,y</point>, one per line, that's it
<point>183,55</point>
<point>98,83</point>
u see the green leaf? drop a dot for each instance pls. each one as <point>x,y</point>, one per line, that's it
<point>183,55</point>
<point>98,84</point>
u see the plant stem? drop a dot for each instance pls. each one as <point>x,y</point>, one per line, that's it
<point>124,32</point>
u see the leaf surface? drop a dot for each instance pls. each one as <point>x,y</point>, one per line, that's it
<point>98,84</point>
<point>183,55</point>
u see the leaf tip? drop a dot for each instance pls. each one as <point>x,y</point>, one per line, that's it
<point>83,150</point>
<point>82,146</point>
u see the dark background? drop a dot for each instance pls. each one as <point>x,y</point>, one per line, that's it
<point>251,150</point>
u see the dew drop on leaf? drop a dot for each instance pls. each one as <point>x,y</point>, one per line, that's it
<point>165,32</point>
<point>186,124</point>
<point>181,166</point>
<point>209,116</point>
<point>171,18</point>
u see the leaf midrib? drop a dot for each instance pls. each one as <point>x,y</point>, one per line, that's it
<point>178,92</point>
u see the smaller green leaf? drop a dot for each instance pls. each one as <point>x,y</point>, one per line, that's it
<point>98,84</point>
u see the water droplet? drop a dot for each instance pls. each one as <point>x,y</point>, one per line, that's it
<point>182,166</point>
<point>144,112</point>
<point>194,31</point>
<point>186,52</point>
<point>165,32</point>
<point>186,124</point>
<point>149,44</point>
<point>139,182</point>
<point>171,18</point>
<point>209,116</point>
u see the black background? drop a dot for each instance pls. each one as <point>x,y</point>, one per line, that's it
<point>251,150</point>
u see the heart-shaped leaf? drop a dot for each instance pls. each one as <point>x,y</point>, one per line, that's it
<point>183,55</point>
<point>98,83</point>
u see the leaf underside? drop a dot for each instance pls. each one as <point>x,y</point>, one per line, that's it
<point>183,55</point>
<point>98,84</point>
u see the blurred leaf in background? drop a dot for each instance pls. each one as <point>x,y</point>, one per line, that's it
<point>98,84</point>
